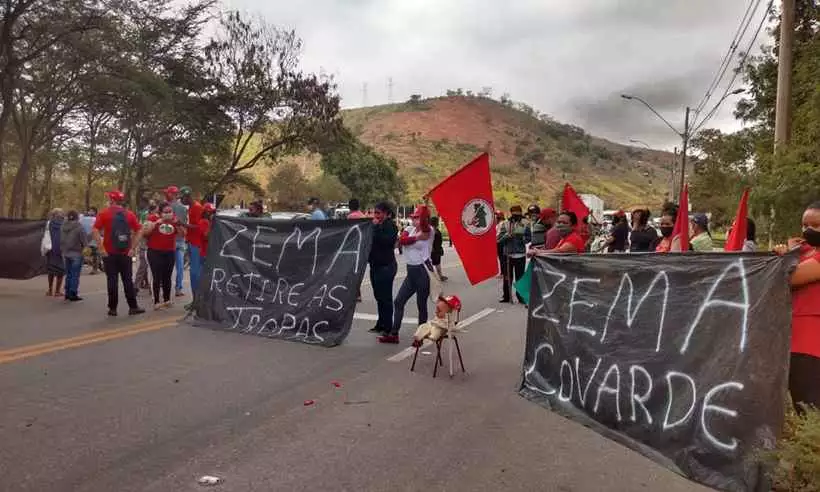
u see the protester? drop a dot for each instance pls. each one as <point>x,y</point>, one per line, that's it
<point>116,228</point>
<point>54,256</point>
<point>643,238</point>
<point>514,235</point>
<point>583,230</point>
<point>571,240</point>
<point>256,210</point>
<point>141,282</point>
<point>173,198</point>
<point>355,209</point>
<point>205,223</point>
<point>87,221</point>
<point>161,234</point>
<point>417,241</point>
<point>749,245</point>
<point>701,239</point>
<point>316,212</point>
<point>533,212</point>
<point>193,236</point>
<point>541,226</point>
<point>804,367</point>
<point>668,218</point>
<point>73,241</point>
<point>438,248</point>
<point>383,265</point>
<point>619,236</point>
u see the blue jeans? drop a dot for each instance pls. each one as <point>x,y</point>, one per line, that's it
<point>180,265</point>
<point>381,279</point>
<point>195,266</point>
<point>416,282</point>
<point>73,267</point>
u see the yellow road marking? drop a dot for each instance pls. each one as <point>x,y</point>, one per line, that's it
<point>35,350</point>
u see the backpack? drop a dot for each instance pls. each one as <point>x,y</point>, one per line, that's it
<point>120,233</point>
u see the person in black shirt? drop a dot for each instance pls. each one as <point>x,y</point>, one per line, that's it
<point>437,251</point>
<point>644,238</point>
<point>619,235</point>
<point>383,265</point>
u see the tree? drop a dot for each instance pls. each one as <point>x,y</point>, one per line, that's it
<point>368,175</point>
<point>329,188</point>
<point>288,187</point>
<point>273,108</point>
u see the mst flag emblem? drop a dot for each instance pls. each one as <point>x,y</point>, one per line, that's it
<point>477,217</point>
<point>465,203</point>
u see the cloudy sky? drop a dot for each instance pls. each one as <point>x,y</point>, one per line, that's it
<point>568,58</point>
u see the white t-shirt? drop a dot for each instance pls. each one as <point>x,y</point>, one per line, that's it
<point>419,252</point>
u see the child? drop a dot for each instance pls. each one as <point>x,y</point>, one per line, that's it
<point>445,321</point>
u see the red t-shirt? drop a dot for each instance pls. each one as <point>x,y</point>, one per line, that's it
<point>576,240</point>
<point>204,230</point>
<point>164,235</point>
<point>104,222</point>
<point>806,315</point>
<point>194,236</point>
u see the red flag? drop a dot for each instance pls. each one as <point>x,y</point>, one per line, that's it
<point>680,235</point>
<point>737,236</point>
<point>465,203</point>
<point>572,202</point>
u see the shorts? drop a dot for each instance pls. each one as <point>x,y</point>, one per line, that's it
<point>435,259</point>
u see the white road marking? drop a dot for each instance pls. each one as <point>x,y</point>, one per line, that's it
<point>403,273</point>
<point>375,317</point>
<point>462,325</point>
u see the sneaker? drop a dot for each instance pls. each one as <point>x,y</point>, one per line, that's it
<point>444,279</point>
<point>377,329</point>
<point>112,312</point>
<point>158,306</point>
<point>189,306</point>
<point>166,304</point>
<point>393,339</point>
<point>179,293</point>
<point>135,311</point>
<point>74,298</point>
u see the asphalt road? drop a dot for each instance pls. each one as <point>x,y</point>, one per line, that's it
<point>147,404</point>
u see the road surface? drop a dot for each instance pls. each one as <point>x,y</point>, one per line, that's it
<point>148,404</point>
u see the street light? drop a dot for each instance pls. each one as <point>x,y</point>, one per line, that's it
<point>640,142</point>
<point>683,135</point>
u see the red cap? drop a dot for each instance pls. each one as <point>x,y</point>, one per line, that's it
<point>620,213</point>
<point>208,207</point>
<point>547,213</point>
<point>453,301</point>
<point>116,196</point>
<point>421,212</point>
<point>171,190</point>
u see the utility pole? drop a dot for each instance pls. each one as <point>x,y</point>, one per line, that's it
<point>782,124</point>
<point>672,174</point>
<point>683,153</point>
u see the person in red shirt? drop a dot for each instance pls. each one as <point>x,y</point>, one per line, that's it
<point>116,228</point>
<point>193,236</point>
<point>162,232</point>
<point>804,369</point>
<point>571,241</point>
<point>208,211</point>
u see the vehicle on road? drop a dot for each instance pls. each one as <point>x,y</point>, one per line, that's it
<point>289,216</point>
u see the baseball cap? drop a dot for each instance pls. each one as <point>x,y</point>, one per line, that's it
<point>171,190</point>
<point>208,207</point>
<point>116,196</point>
<point>548,213</point>
<point>701,220</point>
<point>452,301</point>
<point>420,212</point>
<point>185,190</point>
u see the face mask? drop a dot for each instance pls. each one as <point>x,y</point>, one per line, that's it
<point>812,237</point>
<point>168,216</point>
<point>667,231</point>
<point>564,229</point>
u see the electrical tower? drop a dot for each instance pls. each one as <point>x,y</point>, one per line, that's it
<point>364,95</point>
<point>390,90</point>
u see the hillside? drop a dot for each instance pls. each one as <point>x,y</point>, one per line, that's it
<point>531,158</point>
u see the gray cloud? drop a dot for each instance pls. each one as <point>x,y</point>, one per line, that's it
<point>568,59</point>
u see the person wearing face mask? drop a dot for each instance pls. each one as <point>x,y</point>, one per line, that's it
<point>804,369</point>
<point>643,237</point>
<point>668,217</point>
<point>161,235</point>
<point>513,236</point>
<point>417,242</point>
<point>541,226</point>
<point>571,241</point>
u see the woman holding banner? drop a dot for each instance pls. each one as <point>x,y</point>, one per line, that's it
<point>804,370</point>
<point>383,265</point>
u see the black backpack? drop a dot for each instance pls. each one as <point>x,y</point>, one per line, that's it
<point>120,233</point>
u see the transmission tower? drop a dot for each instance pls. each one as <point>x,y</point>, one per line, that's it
<point>364,95</point>
<point>390,90</point>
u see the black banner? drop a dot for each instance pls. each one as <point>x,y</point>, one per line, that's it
<point>683,358</point>
<point>20,256</point>
<point>295,280</point>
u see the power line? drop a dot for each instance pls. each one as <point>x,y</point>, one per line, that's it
<point>740,32</point>
<point>738,69</point>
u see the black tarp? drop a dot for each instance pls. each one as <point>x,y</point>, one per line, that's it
<point>20,256</point>
<point>295,280</point>
<point>683,358</point>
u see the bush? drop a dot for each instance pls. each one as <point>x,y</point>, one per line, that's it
<point>795,464</point>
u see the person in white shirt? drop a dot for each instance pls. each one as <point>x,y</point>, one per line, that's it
<point>417,243</point>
